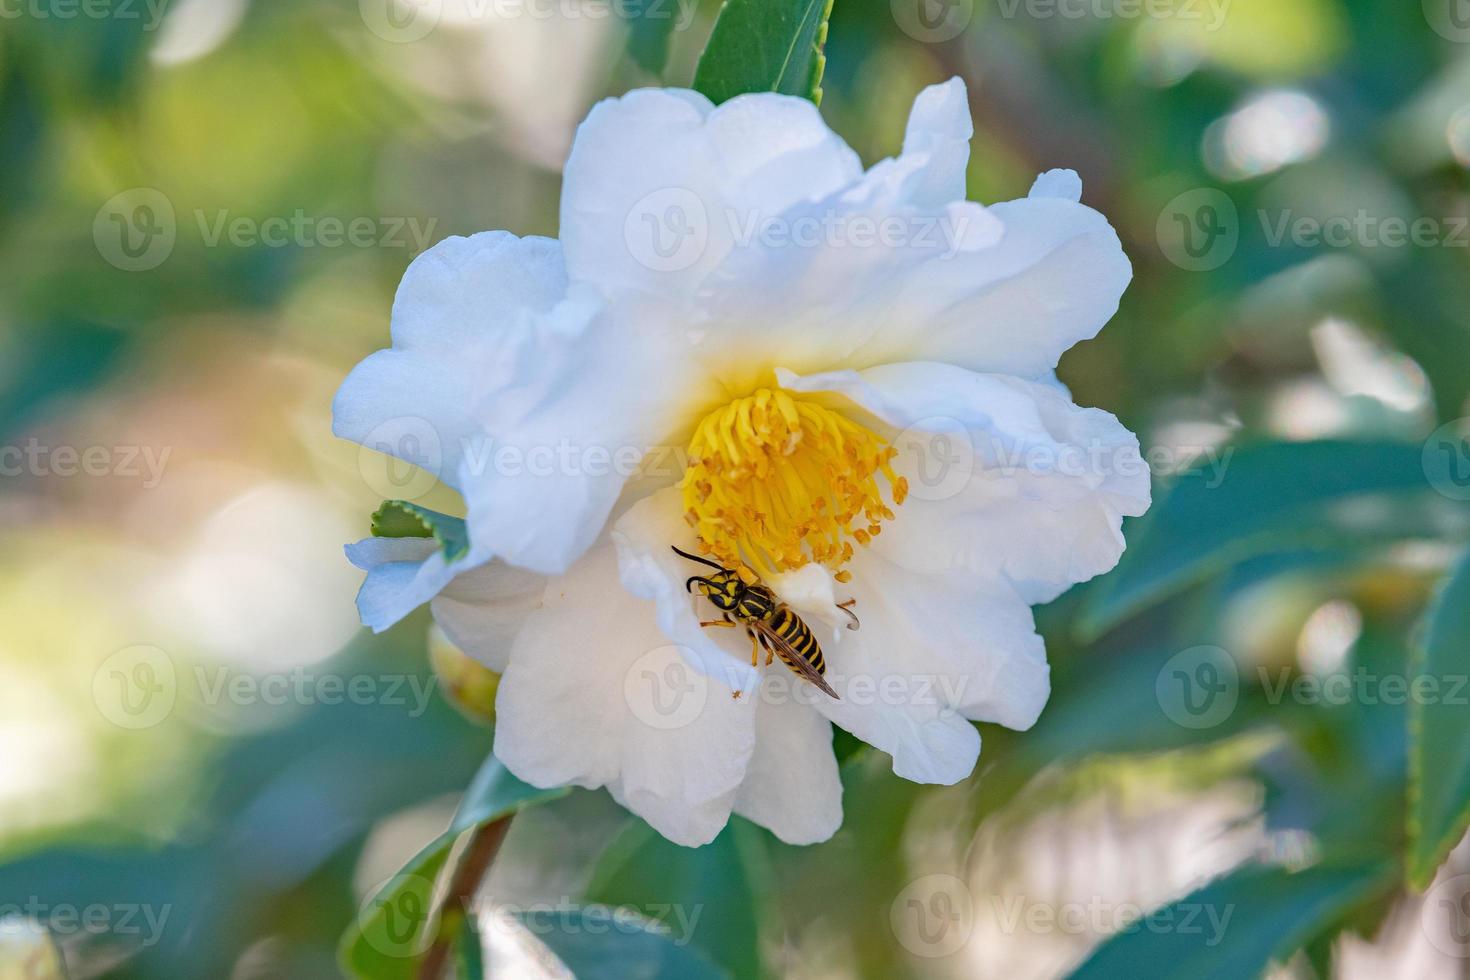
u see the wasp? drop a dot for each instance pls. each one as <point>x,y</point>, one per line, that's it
<point>771,624</point>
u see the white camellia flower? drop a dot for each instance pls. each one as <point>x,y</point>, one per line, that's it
<point>745,346</point>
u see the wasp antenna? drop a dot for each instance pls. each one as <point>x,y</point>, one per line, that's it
<point>701,580</point>
<point>702,561</point>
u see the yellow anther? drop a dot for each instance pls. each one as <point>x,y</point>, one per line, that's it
<point>775,482</point>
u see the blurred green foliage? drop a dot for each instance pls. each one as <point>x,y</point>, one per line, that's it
<point>1317,387</point>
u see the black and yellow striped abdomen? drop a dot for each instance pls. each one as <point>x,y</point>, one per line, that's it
<point>791,628</point>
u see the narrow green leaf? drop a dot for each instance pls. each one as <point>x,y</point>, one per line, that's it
<point>1267,499</point>
<point>598,942</point>
<point>393,928</point>
<point>395,925</point>
<point>1232,929</point>
<point>493,793</point>
<point>401,519</point>
<point>1439,730</point>
<point>766,46</point>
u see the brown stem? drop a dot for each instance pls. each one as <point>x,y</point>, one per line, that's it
<point>458,901</point>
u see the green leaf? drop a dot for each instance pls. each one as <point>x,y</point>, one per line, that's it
<point>650,25</point>
<point>716,890</point>
<point>601,943</point>
<point>1271,498</point>
<point>1439,747</point>
<point>766,46</point>
<point>396,925</point>
<point>401,519</point>
<point>1233,928</point>
<point>394,928</point>
<point>495,793</point>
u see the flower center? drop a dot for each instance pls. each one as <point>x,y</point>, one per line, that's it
<point>775,482</point>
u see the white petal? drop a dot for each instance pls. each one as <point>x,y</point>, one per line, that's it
<point>463,319</point>
<point>830,281</point>
<point>972,635</point>
<point>939,130</point>
<point>898,266</point>
<point>1006,476</point>
<point>595,695</point>
<point>1053,278</point>
<point>890,695</point>
<point>529,395</point>
<point>1064,185</point>
<point>657,179</point>
<point>540,492</point>
<point>793,786</point>
<point>403,574</point>
<point>482,610</point>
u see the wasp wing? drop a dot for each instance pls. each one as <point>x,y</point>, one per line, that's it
<point>793,659</point>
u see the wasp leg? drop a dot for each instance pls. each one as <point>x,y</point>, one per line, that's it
<point>725,623</point>
<point>766,646</point>
<point>847,608</point>
<point>754,647</point>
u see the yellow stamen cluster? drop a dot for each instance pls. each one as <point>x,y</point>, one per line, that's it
<point>775,482</point>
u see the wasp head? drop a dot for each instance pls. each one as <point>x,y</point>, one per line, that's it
<point>723,587</point>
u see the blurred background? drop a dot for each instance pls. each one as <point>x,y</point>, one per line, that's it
<point>206,766</point>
